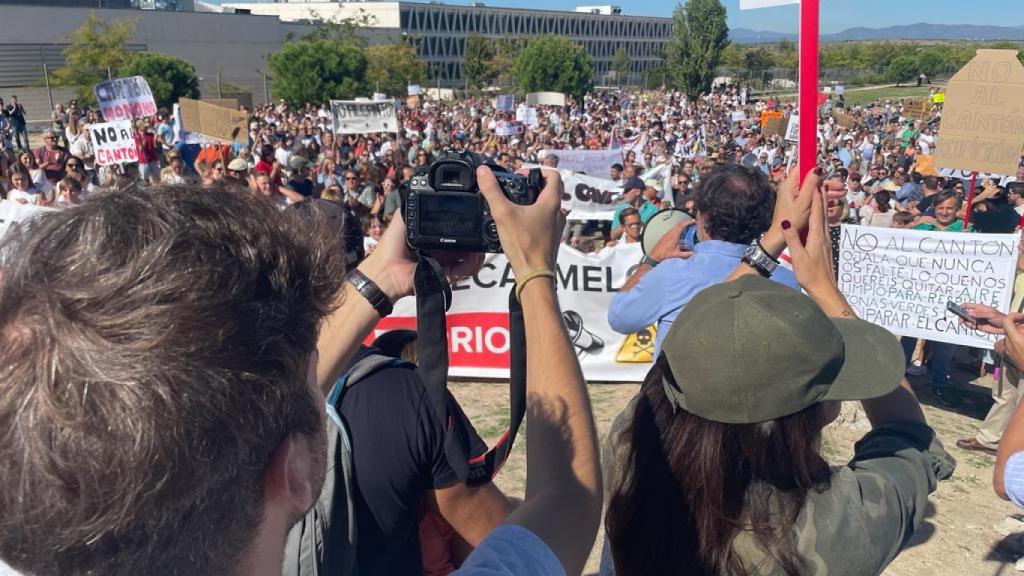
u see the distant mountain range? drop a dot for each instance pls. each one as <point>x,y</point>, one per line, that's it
<point>920,31</point>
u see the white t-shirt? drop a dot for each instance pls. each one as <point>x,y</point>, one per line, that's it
<point>30,197</point>
<point>511,550</point>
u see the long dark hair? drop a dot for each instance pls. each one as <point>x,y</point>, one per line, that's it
<point>688,486</point>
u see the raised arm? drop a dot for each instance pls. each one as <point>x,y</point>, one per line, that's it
<point>564,478</point>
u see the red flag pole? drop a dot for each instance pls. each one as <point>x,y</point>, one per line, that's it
<point>970,200</point>
<point>808,99</point>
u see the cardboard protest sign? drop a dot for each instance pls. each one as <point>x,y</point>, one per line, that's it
<point>125,98</point>
<point>917,109</point>
<point>526,115</point>
<point>352,117</point>
<point>982,122</point>
<point>507,128</point>
<point>223,124</point>
<point>222,102</point>
<point>902,279</point>
<point>846,121</point>
<point>505,102</point>
<point>775,127</point>
<point>545,98</point>
<point>114,143</point>
<point>926,165</point>
<point>593,162</point>
<point>768,115</point>
<point>793,128</point>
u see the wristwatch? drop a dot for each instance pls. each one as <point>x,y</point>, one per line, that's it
<point>369,290</point>
<point>649,261</point>
<point>759,260</point>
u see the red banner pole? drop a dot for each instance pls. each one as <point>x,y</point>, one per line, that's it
<point>970,200</point>
<point>808,100</point>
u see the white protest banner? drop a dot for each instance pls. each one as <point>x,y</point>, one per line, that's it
<point>840,90</point>
<point>590,198</point>
<point>352,117</point>
<point>591,162</point>
<point>125,98</point>
<point>14,214</point>
<point>526,115</point>
<point>507,128</point>
<point>414,90</point>
<point>114,143</point>
<point>793,128</point>
<point>379,96</point>
<point>738,116</point>
<point>478,337</point>
<point>505,102</point>
<point>545,99</point>
<point>902,279</point>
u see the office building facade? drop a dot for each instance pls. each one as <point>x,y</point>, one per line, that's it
<point>440,30</point>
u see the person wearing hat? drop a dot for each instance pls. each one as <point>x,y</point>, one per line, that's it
<point>716,466</point>
<point>633,197</point>
<point>238,168</point>
<point>299,185</point>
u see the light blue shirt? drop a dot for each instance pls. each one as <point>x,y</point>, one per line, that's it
<point>663,292</point>
<point>511,550</point>
<point>646,210</point>
<point>1013,478</point>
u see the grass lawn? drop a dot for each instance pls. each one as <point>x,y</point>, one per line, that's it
<point>856,96</point>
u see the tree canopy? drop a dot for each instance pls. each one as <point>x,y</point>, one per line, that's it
<point>391,67</point>
<point>97,48</point>
<point>314,70</point>
<point>478,62</point>
<point>168,77</point>
<point>555,64</point>
<point>695,48</point>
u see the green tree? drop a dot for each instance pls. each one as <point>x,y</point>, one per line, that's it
<point>620,64</point>
<point>506,54</point>
<point>317,70</point>
<point>553,63</point>
<point>759,59</point>
<point>394,66</point>
<point>97,48</point>
<point>902,69</point>
<point>734,57</point>
<point>695,47</point>
<point>168,77</point>
<point>478,62</point>
<point>931,61</point>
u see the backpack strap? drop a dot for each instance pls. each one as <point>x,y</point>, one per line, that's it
<point>323,543</point>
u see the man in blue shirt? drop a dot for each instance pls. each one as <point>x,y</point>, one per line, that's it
<point>734,208</point>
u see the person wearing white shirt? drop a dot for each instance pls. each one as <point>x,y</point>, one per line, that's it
<point>22,189</point>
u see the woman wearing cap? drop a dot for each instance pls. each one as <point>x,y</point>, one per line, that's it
<point>716,467</point>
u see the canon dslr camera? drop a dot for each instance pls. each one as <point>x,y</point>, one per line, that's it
<point>445,210</point>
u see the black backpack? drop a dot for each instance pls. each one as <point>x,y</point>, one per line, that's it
<point>323,543</point>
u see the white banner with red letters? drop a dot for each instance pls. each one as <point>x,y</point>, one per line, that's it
<point>478,337</point>
<point>114,142</point>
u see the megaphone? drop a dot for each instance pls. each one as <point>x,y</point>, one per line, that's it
<point>661,223</point>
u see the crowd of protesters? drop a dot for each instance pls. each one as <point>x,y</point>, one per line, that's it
<point>759,442</point>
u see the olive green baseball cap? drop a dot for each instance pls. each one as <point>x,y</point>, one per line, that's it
<point>753,350</point>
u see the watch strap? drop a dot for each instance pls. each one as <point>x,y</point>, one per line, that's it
<point>650,261</point>
<point>369,290</point>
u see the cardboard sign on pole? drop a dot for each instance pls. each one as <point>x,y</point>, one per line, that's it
<point>917,109</point>
<point>545,99</point>
<point>846,121</point>
<point>768,115</point>
<point>775,127</point>
<point>982,128</point>
<point>222,124</point>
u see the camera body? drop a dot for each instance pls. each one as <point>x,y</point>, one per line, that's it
<point>445,210</point>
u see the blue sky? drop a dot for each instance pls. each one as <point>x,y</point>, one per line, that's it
<point>836,15</point>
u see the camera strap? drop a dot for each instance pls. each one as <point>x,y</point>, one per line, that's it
<point>433,298</point>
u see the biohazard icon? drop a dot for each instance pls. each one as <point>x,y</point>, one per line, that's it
<point>585,341</point>
<point>638,347</point>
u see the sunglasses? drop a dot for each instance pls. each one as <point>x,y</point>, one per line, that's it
<point>351,178</point>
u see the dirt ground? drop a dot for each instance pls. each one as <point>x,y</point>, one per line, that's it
<point>960,535</point>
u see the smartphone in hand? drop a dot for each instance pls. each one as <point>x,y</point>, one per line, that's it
<point>959,311</point>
